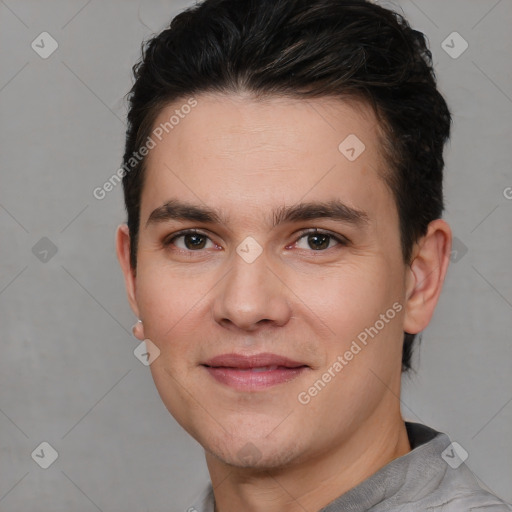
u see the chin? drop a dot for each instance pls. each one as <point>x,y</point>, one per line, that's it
<point>256,453</point>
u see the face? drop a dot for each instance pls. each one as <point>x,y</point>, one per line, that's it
<point>279,328</point>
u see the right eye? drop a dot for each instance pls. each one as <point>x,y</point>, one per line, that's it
<point>192,240</point>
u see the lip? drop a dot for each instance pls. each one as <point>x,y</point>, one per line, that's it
<point>253,372</point>
<point>243,362</point>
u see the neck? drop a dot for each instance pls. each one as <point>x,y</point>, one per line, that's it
<point>314,483</point>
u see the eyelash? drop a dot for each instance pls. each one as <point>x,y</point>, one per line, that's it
<point>341,240</point>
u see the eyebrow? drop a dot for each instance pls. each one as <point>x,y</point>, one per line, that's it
<point>176,209</point>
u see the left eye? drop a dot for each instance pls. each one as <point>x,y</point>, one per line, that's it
<point>319,240</point>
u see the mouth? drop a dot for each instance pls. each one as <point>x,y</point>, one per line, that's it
<point>252,373</point>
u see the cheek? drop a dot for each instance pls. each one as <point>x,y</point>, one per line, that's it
<point>348,297</point>
<point>164,296</point>
<point>169,307</point>
<point>362,307</point>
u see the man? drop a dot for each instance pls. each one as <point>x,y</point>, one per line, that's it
<point>283,182</point>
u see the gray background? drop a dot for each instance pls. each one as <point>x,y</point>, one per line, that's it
<point>68,374</point>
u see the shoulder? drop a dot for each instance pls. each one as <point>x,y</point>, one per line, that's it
<point>459,491</point>
<point>474,501</point>
<point>440,480</point>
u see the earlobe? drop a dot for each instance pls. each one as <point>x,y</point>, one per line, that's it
<point>138,330</point>
<point>426,275</point>
<point>123,255</point>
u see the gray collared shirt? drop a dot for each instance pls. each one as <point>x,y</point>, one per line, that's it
<point>431,477</point>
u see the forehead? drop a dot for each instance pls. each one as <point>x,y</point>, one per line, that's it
<point>285,120</point>
<point>238,151</point>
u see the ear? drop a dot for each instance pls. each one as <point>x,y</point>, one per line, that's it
<point>123,255</point>
<point>425,275</point>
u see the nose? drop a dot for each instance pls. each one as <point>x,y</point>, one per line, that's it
<point>252,295</point>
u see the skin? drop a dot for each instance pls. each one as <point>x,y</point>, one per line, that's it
<point>245,157</point>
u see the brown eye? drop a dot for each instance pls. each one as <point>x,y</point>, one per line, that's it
<point>190,240</point>
<point>320,240</point>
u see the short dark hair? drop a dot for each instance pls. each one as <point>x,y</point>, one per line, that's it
<point>350,49</point>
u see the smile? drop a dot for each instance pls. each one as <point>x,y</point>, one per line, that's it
<point>252,373</point>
